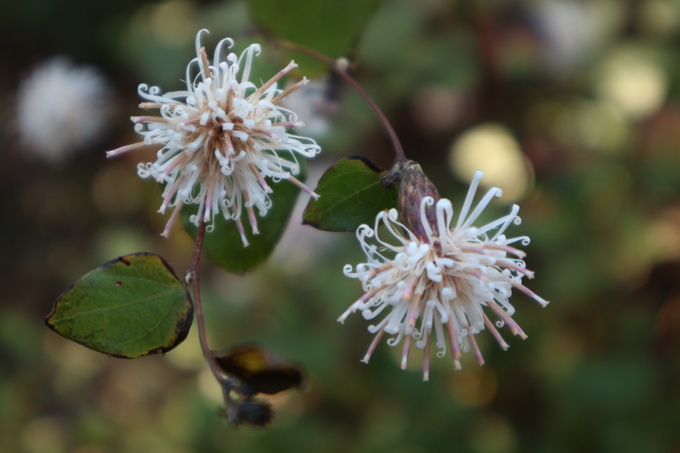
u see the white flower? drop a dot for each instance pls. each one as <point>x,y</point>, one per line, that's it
<point>447,282</point>
<point>61,108</point>
<point>220,138</point>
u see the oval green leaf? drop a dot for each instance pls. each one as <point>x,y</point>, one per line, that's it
<point>350,195</point>
<point>331,28</point>
<point>130,307</point>
<point>223,245</point>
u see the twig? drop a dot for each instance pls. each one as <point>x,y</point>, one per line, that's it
<point>193,279</point>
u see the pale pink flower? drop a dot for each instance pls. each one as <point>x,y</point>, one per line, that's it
<point>221,139</point>
<point>442,289</point>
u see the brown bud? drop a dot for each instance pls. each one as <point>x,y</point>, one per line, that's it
<point>413,187</point>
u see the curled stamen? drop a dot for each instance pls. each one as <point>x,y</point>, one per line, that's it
<point>447,277</point>
<point>221,137</point>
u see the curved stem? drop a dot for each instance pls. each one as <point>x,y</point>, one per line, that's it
<point>192,274</point>
<point>340,69</point>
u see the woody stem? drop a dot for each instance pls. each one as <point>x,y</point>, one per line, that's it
<point>192,277</point>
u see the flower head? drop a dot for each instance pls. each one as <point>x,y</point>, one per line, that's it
<point>441,286</point>
<point>62,107</point>
<point>221,138</point>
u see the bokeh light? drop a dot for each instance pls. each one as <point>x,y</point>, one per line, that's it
<point>492,149</point>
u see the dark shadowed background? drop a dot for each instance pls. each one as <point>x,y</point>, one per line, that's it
<point>571,107</point>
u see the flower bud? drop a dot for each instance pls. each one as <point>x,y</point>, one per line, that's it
<point>413,187</point>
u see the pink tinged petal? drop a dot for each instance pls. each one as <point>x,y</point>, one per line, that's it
<point>125,149</point>
<point>508,264</point>
<point>192,121</point>
<point>251,214</point>
<point>281,96</point>
<point>261,131</point>
<point>408,291</point>
<point>412,317</point>
<point>150,105</point>
<point>530,293</point>
<point>514,327</point>
<point>495,332</point>
<point>171,195</point>
<point>426,356</point>
<point>487,248</point>
<point>373,345</point>
<point>506,248</point>
<point>252,219</point>
<point>361,301</point>
<point>203,59</point>
<point>405,351</point>
<point>453,340</point>
<point>241,231</point>
<point>259,178</point>
<point>260,91</point>
<point>306,189</point>
<point>177,161</point>
<point>148,119</point>
<point>475,349</point>
<point>230,146</point>
<point>172,219</point>
<point>209,200</point>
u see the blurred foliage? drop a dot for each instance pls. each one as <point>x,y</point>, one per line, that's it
<point>588,90</point>
<point>331,28</point>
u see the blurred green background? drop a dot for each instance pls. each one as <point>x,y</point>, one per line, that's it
<point>572,107</point>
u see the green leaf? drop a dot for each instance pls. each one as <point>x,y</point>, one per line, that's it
<point>130,307</point>
<point>329,27</point>
<point>223,245</point>
<point>350,195</point>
